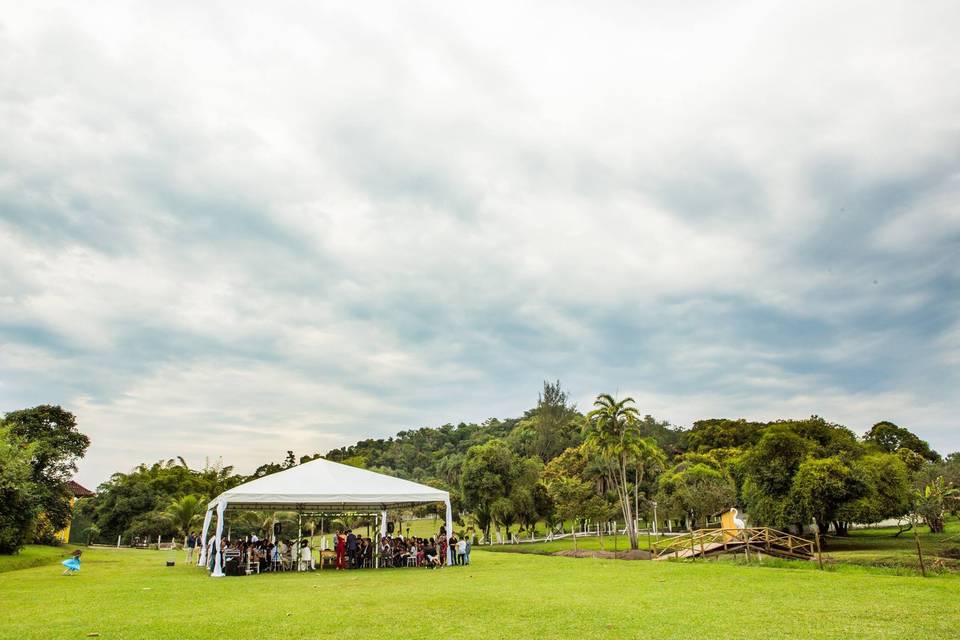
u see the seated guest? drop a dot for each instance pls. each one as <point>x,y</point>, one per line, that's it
<point>386,552</point>
<point>306,556</point>
<point>362,546</point>
<point>432,554</point>
<point>367,552</point>
<point>275,557</point>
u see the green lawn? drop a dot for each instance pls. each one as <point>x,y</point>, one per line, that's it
<point>879,547</point>
<point>864,547</point>
<point>131,594</point>
<point>610,543</point>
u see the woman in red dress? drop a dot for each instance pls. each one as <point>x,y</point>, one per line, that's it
<point>340,544</point>
<point>442,544</point>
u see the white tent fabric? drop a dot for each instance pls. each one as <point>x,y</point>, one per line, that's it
<point>322,485</point>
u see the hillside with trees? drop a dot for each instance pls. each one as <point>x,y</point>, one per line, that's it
<point>552,465</point>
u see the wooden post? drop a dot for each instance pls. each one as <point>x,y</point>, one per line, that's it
<point>746,544</point>
<point>693,550</point>
<point>819,554</point>
<point>916,538</point>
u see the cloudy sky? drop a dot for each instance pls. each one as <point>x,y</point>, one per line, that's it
<point>232,231</point>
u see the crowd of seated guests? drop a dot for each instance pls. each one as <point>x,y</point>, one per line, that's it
<point>422,552</point>
<point>253,555</point>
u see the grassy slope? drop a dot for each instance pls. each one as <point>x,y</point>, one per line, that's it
<point>33,556</point>
<point>131,594</point>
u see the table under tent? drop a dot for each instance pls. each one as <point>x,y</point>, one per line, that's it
<point>321,487</point>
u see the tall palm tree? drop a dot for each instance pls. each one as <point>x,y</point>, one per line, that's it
<point>185,512</point>
<point>613,436</point>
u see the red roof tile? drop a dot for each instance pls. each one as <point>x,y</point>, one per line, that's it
<point>79,491</point>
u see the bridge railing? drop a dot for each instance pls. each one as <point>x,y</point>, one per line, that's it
<point>703,541</point>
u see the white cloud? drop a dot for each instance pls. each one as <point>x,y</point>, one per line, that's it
<point>428,208</point>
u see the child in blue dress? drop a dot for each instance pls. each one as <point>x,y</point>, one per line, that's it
<point>72,564</point>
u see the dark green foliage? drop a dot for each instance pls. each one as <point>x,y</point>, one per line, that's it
<point>487,482</point>
<point>720,433</point>
<point>889,437</point>
<point>549,428</point>
<point>887,494</point>
<point>423,453</point>
<point>821,488</point>
<point>768,470</point>
<point>57,445</point>
<point>126,496</point>
<point>151,524</point>
<point>696,487</point>
<point>18,503</point>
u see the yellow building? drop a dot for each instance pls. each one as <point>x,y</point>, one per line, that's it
<point>78,491</point>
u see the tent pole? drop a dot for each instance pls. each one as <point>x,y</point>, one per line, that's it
<point>299,535</point>
<point>449,530</point>
<point>217,567</point>
<point>207,517</point>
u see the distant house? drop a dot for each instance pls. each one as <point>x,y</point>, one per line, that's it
<point>78,491</point>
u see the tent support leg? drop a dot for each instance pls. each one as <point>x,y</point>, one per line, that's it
<point>449,531</point>
<point>208,516</point>
<point>218,543</point>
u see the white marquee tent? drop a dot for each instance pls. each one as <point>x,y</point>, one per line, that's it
<point>321,486</point>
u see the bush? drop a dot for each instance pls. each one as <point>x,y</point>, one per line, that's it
<point>18,506</point>
<point>150,525</point>
<point>44,532</point>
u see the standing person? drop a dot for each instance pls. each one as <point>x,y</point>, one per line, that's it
<point>191,545</point>
<point>462,551</point>
<point>442,544</point>
<point>466,552</point>
<point>452,548</point>
<point>72,564</point>
<point>340,545</point>
<point>352,549</point>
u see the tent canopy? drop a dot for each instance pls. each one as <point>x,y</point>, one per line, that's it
<point>320,486</point>
<point>323,485</point>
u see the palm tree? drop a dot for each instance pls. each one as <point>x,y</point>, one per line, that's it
<point>613,435</point>
<point>186,512</point>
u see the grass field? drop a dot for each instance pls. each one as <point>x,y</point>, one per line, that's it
<point>131,594</point>
<point>864,547</point>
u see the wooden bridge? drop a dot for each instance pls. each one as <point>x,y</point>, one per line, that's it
<point>705,542</point>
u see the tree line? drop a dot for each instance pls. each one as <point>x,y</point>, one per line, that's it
<point>551,466</point>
